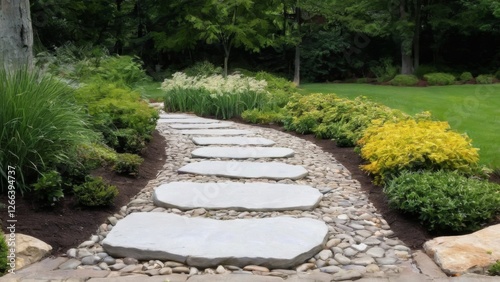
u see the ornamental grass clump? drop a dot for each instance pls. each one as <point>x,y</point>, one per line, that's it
<point>415,145</point>
<point>42,125</point>
<point>223,97</point>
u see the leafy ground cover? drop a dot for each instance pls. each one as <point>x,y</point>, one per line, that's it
<point>472,109</point>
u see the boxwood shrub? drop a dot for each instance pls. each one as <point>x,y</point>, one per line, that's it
<point>404,80</point>
<point>444,201</point>
<point>439,78</point>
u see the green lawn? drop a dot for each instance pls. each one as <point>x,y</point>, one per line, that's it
<point>150,90</point>
<point>473,109</point>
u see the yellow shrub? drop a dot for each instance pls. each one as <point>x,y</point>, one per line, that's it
<point>411,145</point>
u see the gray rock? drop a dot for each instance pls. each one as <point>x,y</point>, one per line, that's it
<point>176,116</point>
<point>346,275</point>
<point>117,266</point>
<point>236,196</point>
<point>130,260</point>
<point>376,252</point>
<point>204,242</point>
<point>242,152</point>
<point>188,120</point>
<point>330,269</point>
<point>90,260</point>
<point>71,253</point>
<point>109,260</point>
<point>70,264</point>
<point>342,259</point>
<point>232,141</point>
<point>270,170</point>
<point>215,132</point>
<point>365,260</point>
<point>200,125</point>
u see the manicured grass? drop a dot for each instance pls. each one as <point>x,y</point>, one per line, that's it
<point>150,90</point>
<point>473,109</point>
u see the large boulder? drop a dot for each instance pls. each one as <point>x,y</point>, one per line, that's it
<point>28,249</point>
<point>467,253</point>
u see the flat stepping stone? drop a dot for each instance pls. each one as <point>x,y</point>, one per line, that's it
<point>269,170</point>
<point>278,242</point>
<point>188,120</point>
<point>200,125</point>
<point>203,141</point>
<point>236,196</point>
<point>215,132</point>
<point>242,152</point>
<point>175,116</point>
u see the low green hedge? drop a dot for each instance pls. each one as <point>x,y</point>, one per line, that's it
<point>444,200</point>
<point>404,80</point>
<point>439,78</point>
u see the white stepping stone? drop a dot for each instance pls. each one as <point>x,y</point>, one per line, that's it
<point>279,242</point>
<point>201,125</point>
<point>232,141</point>
<point>236,196</point>
<point>176,116</point>
<point>188,120</point>
<point>242,152</point>
<point>215,132</point>
<point>269,170</point>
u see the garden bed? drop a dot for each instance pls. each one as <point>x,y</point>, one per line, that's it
<point>68,225</point>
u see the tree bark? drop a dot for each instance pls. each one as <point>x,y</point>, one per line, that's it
<point>416,38</point>
<point>406,52</point>
<point>16,34</point>
<point>296,73</point>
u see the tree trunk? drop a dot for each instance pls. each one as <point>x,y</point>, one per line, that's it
<point>226,59</point>
<point>416,38</point>
<point>406,47</point>
<point>406,62</point>
<point>296,73</point>
<point>16,34</point>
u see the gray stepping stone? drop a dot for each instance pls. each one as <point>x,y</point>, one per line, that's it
<point>232,141</point>
<point>200,125</point>
<point>278,242</point>
<point>236,196</point>
<point>242,152</point>
<point>270,170</point>
<point>176,116</point>
<point>188,120</point>
<point>215,132</point>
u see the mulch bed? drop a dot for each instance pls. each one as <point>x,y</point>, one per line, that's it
<point>67,225</point>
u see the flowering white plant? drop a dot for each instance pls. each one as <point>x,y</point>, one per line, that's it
<point>215,84</point>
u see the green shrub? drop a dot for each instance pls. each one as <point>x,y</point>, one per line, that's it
<point>330,117</point>
<point>410,145</point>
<point>127,164</point>
<point>4,252</point>
<point>494,269</point>
<point>263,117</point>
<point>48,189</point>
<point>422,70</point>
<point>439,78</point>
<point>279,90</point>
<point>363,80</point>
<point>223,97</point>
<point>41,125</point>
<point>125,121</point>
<point>96,155</point>
<point>404,80</point>
<point>484,79</point>
<point>204,68</point>
<point>445,201</point>
<point>497,74</point>
<point>95,192</point>
<point>466,76</point>
<point>384,69</point>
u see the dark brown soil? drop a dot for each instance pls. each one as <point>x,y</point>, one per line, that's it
<point>68,225</point>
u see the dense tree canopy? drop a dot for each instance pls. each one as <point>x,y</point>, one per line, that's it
<point>329,39</point>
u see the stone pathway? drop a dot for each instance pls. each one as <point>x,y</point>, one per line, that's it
<point>208,234</point>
